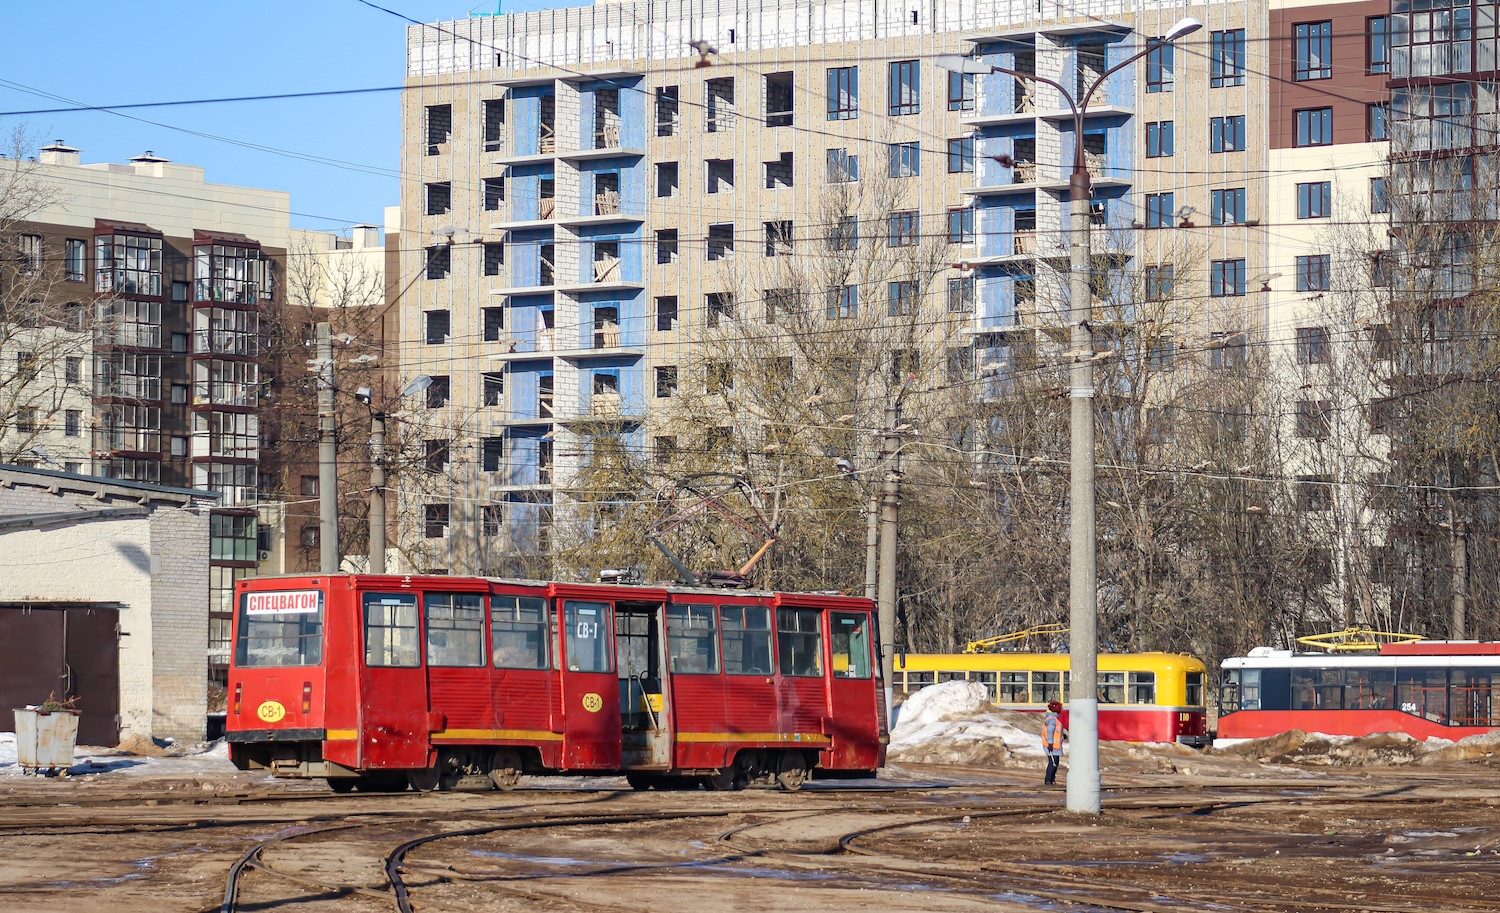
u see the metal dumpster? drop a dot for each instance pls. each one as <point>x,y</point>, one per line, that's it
<point>45,739</point>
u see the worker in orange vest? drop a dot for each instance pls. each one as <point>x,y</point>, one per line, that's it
<point>1052,739</point>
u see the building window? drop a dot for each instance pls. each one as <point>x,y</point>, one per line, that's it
<point>906,160</point>
<point>1227,207</point>
<point>437,455</point>
<point>435,521</point>
<point>666,180</point>
<point>1159,68</point>
<point>720,174</point>
<point>1159,139</point>
<point>1227,351</point>
<point>1378,45</point>
<point>961,225</point>
<point>439,198</point>
<point>961,155</point>
<point>439,127</point>
<point>843,302</point>
<point>1314,127</point>
<point>666,110</point>
<point>903,227</point>
<point>76,264</point>
<point>905,87</point>
<point>1314,417</point>
<point>1159,209</point>
<point>1378,201</point>
<point>720,306</point>
<point>439,325</point>
<point>779,173</point>
<point>231,537</point>
<point>1226,278</point>
<point>438,392</point>
<point>73,423</point>
<point>666,313</point>
<point>494,324</point>
<point>494,124</point>
<point>1312,50</point>
<point>1159,282</point>
<point>180,292</point>
<point>494,388</point>
<point>73,369</point>
<point>1375,119</point>
<point>845,234</point>
<point>31,255</point>
<point>902,298</point>
<point>309,487</point>
<point>720,242</point>
<point>1314,200</point>
<point>718,378</point>
<point>960,91</point>
<point>439,262</point>
<point>843,93</point>
<point>1226,58</point>
<point>494,257</point>
<point>26,366</point>
<point>961,295</point>
<point>1226,134</point>
<point>666,245</point>
<point>842,167</point>
<point>778,99</point>
<point>779,238</point>
<point>26,420</point>
<point>663,450</point>
<point>666,381</point>
<point>719,112</point>
<point>494,194</point>
<point>1312,274</point>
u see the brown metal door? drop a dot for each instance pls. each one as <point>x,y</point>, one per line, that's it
<point>93,673</point>
<point>31,640</point>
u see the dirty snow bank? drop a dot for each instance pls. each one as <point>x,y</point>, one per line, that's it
<point>1382,748</point>
<point>137,756</point>
<point>954,723</point>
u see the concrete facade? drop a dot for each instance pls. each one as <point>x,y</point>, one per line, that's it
<point>141,550</point>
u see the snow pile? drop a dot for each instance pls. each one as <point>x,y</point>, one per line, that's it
<point>1381,748</point>
<point>135,755</point>
<point>954,723</point>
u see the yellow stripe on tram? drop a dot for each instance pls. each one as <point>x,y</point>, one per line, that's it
<point>799,738</point>
<point>341,735</point>
<point>538,735</point>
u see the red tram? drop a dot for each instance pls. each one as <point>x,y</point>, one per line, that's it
<point>380,682</point>
<point>1426,688</point>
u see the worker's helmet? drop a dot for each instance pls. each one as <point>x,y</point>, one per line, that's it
<point>1054,706</point>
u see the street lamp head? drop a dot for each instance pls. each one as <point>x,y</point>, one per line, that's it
<point>362,394</point>
<point>1185,26</point>
<point>958,63</point>
<point>417,385</point>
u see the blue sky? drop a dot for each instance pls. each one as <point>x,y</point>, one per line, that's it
<point>93,52</point>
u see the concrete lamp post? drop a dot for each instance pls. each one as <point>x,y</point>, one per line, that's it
<point>1083,639</point>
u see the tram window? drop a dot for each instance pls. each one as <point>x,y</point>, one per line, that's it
<point>1250,689</point>
<point>851,645</point>
<point>1012,688</point>
<point>586,633</point>
<point>1045,687</point>
<point>1369,689</point>
<point>747,639</point>
<point>1192,689</point>
<point>391,630</point>
<point>1304,689</point>
<point>952,676</point>
<point>1423,693</point>
<point>1469,700</point>
<point>1330,689</point>
<point>1142,686</point>
<point>1111,687</point>
<point>1229,692</point>
<point>915,680</point>
<point>1067,689</point>
<point>799,641</point>
<point>289,635</point>
<point>987,679</point>
<point>455,629</point>
<point>693,639</point>
<point>518,632</point>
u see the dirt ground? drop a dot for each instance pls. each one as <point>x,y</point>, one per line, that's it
<point>1181,830</point>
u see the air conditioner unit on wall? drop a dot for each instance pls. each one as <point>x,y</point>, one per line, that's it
<point>265,554</point>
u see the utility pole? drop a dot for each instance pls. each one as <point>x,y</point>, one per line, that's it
<point>377,492</point>
<point>328,495</point>
<point>872,542</point>
<point>1460,578</point>
<point>889,507</point>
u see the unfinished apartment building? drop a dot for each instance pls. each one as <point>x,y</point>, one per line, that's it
<point>579,183</point>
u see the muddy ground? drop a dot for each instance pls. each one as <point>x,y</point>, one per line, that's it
<point>1180,831</point>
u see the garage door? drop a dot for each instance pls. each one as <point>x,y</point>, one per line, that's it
<point>70,652</point>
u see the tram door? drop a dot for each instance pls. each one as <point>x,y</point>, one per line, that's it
<point>640,657</point>
<point>591,702</point>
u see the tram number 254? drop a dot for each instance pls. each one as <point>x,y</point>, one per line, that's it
<point>1408,707</point>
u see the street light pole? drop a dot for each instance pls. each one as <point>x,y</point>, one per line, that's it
<point>328,498</point>
<point>377,492</point>
<point>1083,639</point>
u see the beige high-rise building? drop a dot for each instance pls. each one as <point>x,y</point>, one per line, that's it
<point>578,185</point>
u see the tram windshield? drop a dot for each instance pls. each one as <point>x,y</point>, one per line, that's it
<point>280,629</point>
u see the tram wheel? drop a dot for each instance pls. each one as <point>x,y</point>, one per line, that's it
<point>640,782</point>
<point>343,785</point>
<point>425,780</point>
<point>791,771</point>
<point>505,769</point>
<point>725,780</point>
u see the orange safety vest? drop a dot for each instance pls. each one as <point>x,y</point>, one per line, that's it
<point>1052,732</point>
